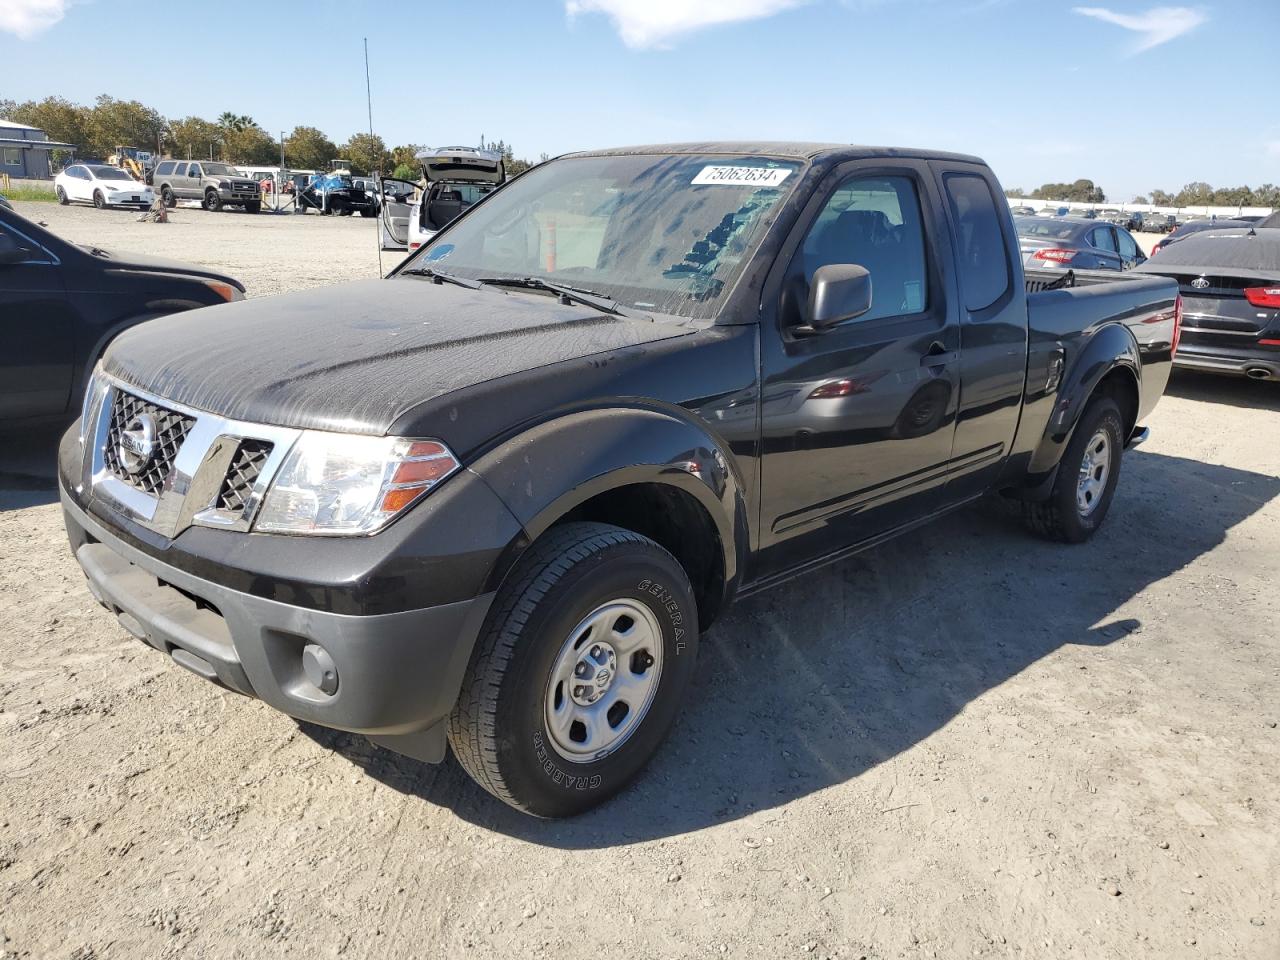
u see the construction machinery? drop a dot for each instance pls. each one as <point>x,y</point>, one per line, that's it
<point>139,164</point>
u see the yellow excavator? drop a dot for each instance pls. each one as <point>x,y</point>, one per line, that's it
<point>137,163</point>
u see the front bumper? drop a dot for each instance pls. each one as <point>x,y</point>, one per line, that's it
<point>397,674</point>
<point>130,198</point>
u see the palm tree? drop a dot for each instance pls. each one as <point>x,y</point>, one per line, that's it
<point>237,122</point>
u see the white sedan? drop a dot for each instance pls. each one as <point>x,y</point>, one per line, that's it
<point>101,185</point>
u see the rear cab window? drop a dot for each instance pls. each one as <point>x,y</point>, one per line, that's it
<point>981,256</point>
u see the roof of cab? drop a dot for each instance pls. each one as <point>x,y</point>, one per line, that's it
<point>782,149</point>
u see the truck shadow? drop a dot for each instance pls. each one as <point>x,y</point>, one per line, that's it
<point>28,468</point>
<point>818,681</point>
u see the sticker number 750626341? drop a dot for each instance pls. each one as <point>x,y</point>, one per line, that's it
<point>741,176</point>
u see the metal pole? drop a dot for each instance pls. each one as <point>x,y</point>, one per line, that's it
<point>368,91</point>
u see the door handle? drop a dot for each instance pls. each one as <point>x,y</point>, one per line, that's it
<point>938,355</point>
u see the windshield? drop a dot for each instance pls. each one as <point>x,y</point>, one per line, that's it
<point>218,170</point>
<point>665,234</point>
<point>110,173</point>
<point>1044,227</point>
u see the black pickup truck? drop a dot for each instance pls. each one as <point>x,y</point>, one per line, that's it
<point>493,500</point>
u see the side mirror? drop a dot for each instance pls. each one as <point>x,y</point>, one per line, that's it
<point>9,256</point>
<point>839,292</point>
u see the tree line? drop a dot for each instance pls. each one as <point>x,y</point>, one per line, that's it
<point>1196,194</point>
<point>233,138</point>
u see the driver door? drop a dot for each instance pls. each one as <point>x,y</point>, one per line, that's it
<point>857,421</point>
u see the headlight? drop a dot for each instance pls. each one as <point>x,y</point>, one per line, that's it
<point>224,184</point>
<point>335,483</point>
<point>110,188</point>
<point>92,400</point>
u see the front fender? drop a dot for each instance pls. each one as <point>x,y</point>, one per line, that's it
<point>1111,346</point>
<point>545,472</point>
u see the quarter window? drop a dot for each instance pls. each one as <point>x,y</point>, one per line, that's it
<point>1128,248</point>
<point>980,248</point>
<point>164,169</point>
<point>876,223</point>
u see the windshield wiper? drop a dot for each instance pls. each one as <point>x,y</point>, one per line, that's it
<point>566,293</point>
<point>440,277</point>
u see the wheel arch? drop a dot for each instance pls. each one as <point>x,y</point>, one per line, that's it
<point>1110,361</point>
<point>645,470</point>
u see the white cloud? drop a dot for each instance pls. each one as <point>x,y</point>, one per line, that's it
<point>655,23</point>
<point>26,18</point>
<point>1153,27</point>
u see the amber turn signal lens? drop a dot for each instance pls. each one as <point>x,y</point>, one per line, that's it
<point>422,471</point>
<point>393,501</point>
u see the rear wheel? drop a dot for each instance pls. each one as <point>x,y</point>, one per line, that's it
<point>62,195</point>
<point>169,199</point>
<point>212,201</point>
<point>99,200</point>
<point>368,212</point>
<point>1086,480</point>
<point>580,671</point>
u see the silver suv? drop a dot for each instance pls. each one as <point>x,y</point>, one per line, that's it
<point>214,184</point>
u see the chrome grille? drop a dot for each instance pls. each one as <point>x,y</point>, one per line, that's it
<point>251,456</point>
<point>171,430</point>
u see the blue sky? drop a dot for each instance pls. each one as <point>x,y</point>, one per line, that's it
<point>1132,96</point>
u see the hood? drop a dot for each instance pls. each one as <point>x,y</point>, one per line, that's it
<point>118,260</point>
<point>354,357</point>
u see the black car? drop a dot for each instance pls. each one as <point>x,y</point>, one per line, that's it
<point>339,194</point>
<point>1230,285</point>
<point>61,304</point>
<point>1198,226</point>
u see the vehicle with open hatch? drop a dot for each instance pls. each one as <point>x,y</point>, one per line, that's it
<point>492,501</point>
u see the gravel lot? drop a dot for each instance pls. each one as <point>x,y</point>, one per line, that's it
<point>964,743</point>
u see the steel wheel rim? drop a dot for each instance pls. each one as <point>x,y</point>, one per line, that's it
<point>1095,468</point>
<point>603,681</point>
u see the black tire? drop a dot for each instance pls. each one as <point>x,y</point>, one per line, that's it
<point>167,196</point>
<point>212,201</point>
<point>498,729</point>
<point>63,199</point>
<point>99,200</point>
<point>368,212</point>
<point>1061,517</point>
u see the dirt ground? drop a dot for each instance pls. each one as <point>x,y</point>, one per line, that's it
<point>964,743</point>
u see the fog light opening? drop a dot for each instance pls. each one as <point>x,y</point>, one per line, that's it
<point>320,670</point>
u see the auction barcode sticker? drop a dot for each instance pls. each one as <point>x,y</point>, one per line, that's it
<point>742,176</point>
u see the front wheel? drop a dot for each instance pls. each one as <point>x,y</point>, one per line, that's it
<point>1086,480</point>
<point>580,671</point>
<point>62,195</point>
<point>99,200</point>
<point>212,201</point>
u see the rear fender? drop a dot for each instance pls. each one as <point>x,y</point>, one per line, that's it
<point>547,471</point>
<point>1111,346</point>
